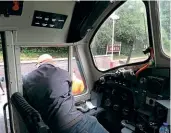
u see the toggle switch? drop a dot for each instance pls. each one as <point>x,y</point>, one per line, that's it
<point>44,24</point>
<point>38,17</point>
<point>46,19</point>
<point>53,19</point>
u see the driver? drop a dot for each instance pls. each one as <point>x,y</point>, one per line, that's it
<point>48,90</point>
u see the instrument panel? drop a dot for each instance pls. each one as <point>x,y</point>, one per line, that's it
<point>125,94</point>
<point>133,99</point>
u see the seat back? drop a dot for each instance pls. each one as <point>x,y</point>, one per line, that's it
<point>28,114</point>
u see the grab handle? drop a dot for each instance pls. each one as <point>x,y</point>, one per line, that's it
<point>5,117</point>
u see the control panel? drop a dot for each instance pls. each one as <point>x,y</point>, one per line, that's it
<point>48,20</point>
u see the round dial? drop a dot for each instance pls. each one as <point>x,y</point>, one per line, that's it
<point>107,102</point>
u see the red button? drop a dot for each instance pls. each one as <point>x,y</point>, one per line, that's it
<point>15,6</point>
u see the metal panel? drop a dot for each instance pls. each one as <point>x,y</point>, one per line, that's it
<point>70,56</point>
<point>13,86</point>
<point>18,69</point>
<point>160,59</point>
<point>87,78</point>
<point>29,34</point>
<point>14,76</point>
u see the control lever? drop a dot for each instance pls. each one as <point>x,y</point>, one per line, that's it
<point>128,122</point>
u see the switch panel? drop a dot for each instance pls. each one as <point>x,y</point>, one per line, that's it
<point>48,20</point>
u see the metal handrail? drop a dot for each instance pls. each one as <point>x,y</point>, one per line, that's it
<point>5,117</point>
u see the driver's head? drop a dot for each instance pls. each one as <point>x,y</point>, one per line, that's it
<point>45,58</point>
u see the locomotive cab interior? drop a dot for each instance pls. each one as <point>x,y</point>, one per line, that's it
<point>121,50</point>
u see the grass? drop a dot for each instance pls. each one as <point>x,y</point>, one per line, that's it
<point>34,56</point>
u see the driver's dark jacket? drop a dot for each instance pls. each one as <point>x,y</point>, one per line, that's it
<point>48,90</point>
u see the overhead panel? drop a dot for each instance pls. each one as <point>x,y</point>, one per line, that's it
<point>48,20</point>
<point>49,31</point>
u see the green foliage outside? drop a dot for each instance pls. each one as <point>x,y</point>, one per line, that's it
<point>165,25</point>
<point>34,53</point>
<point>131,29</point>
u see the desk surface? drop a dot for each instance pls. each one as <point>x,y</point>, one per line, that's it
<point>165,103</point>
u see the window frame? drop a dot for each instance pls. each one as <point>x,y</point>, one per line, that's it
<point>70,55</point>
<point>5,46</point>
<point>146,4</point>
<point>82,73</point>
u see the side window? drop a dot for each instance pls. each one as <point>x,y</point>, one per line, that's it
<point>79,84</point>
<point>165,28</point>
<point>29,57</point>
<point>122,38</point>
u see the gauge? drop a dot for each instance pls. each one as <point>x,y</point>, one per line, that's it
<point>115,107</point>
<point>124,97</point>
<point>107,102</point>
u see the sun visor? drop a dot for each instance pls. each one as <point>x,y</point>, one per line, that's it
<point>84,16</point>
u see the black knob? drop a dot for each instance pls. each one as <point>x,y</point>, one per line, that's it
<point>115,107</point>
<point>107,102</point>
<point>125,111</point>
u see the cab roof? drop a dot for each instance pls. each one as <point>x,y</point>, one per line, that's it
<point>80,17</point>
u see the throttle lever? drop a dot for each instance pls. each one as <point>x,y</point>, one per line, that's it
<point>129,126</point>
<point>128,122</point>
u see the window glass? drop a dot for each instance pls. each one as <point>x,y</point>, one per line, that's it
<point>30,55</point>
<point>122,38</point>
<point>78,85</point>
<point>165,28</point>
